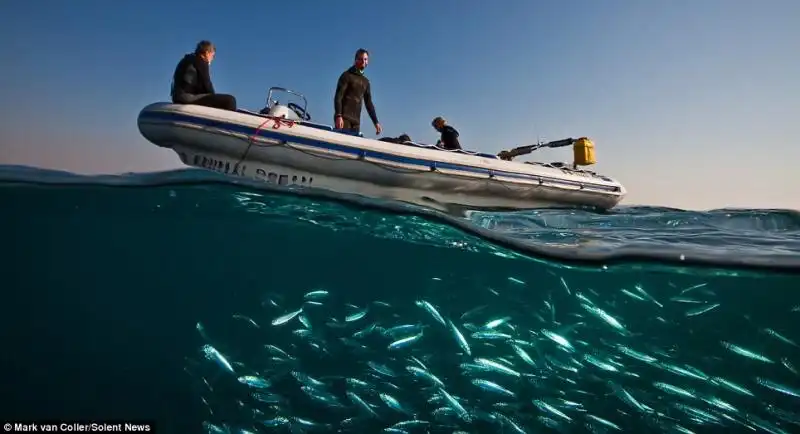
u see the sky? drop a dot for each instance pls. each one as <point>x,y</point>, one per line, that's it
<point>692,104</point>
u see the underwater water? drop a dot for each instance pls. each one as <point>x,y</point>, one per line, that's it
<point>216,306</point>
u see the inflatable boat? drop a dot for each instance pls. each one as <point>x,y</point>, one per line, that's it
<point>280,144</point>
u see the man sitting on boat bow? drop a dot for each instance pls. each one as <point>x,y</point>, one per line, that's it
<point>191,82</point>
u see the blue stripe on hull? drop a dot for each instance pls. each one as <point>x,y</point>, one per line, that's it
<point>269,133</point>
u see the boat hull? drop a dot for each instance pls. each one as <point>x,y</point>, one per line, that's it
<point>255,147</point>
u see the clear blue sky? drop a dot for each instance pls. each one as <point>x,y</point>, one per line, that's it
<point>693,104</point>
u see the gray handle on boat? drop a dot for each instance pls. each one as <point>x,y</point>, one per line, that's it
<point>524,150</point>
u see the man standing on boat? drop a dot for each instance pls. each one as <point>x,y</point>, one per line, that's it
<point>353,88</point>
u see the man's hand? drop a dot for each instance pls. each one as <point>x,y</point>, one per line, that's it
<point>338,122</point>
<point>378,129</point>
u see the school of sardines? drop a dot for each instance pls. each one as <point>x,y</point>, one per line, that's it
<point>564,363</point>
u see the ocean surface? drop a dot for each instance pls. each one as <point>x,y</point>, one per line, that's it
<point>211,305</point>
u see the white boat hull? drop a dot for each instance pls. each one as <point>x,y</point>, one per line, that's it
<point>256,147</point>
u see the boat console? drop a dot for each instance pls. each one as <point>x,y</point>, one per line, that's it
<point>291,110</point>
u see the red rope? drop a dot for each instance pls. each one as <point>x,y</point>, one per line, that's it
<point>278,121</point>
<point>281,121</point>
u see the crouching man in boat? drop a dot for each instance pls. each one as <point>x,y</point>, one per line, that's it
<point>402,138</point>
<point>191,83</point>
<point>449,138</point>
<point>353,88</point>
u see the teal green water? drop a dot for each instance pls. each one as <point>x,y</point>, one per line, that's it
<point>211,306</point>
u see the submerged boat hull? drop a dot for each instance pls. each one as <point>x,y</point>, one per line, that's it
<point>249,145</point>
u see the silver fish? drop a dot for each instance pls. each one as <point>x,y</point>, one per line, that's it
<point>702,309</point>
<point>214,355</point>
<point>496,367</point>
<point>355,399</point>
<point>786,390</point>
<point>401,343</point>
<point>462,341</point>
<point>392,403</point>
<point>746,353</point>
<point>247,319</point>
<point>493,387</point>
<point>422,373</point>
<point>355,316</point>
<point>316,295</point>
<point>432,311</point>
<point>283,319</point>
<point>253,381</point>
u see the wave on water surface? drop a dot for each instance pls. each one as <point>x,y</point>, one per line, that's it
<point>305,312</point>
<point>724,237</point>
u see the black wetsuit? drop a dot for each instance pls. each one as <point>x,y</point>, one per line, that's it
<point>449,139</point>
<point>352,89</point>
<point>191,84</point>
